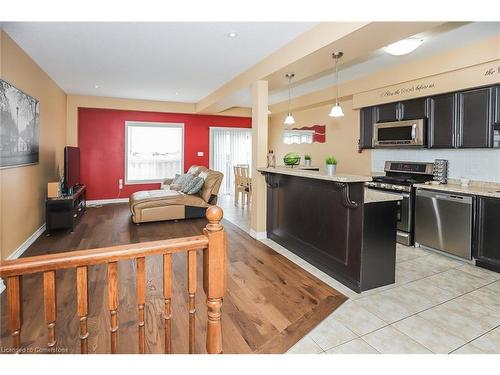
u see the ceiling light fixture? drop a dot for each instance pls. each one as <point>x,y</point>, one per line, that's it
<point>289,120</point>
<point>96,86</point>
<point>404,46</point>
<point>336,110</point>
<point>232,34</point>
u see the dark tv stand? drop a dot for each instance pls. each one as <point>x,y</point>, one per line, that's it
<point>64,212</point>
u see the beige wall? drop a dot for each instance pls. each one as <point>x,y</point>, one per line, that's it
<point>23,189</point>
<point>342,136</point>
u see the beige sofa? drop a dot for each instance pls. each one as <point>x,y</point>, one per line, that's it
<point>170,204</point>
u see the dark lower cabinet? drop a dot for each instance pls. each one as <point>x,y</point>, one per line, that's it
<point>366,127</point>
<point>487,233</point>
<point>442,121</point>
<point>475,118</point>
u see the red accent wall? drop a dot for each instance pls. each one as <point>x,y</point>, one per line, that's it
<point>101,138</point>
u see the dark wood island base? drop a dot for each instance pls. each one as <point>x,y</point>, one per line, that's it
<point>330,223</point>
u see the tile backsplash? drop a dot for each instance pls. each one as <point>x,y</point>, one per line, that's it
<point>475,164</point>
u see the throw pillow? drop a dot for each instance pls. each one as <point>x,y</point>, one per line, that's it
<point>193,186</point>
<point>180,181</point>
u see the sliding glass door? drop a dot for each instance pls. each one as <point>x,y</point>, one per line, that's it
<point>229,147</point>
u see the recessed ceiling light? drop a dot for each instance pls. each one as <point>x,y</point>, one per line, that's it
<point>404,46</point>
<point>176,93</point>
<point>96,86</point>
<point>232,34</point>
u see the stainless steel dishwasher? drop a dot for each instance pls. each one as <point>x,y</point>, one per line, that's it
<point>444,222</point>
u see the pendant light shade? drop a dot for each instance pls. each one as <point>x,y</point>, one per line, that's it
<point>289,120</point>
<point>336,110</point>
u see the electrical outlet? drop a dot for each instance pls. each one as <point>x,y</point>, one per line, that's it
<point>120,183</point>
<point>200,153</point>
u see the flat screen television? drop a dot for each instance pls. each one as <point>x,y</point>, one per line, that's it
<point>71,168</point>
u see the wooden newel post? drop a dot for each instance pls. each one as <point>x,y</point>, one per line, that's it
<point>214,277</point>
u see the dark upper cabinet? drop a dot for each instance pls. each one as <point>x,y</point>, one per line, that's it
<point>497,105</point>
<point>366,127</point>
<point>443,121</point>
<point>387,112</point>
<point>414,109</point>
<point>475,118</point>
<point>487,235</point>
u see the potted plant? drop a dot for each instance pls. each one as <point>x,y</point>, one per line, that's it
<point>331,165</point>
<point>307,160</point>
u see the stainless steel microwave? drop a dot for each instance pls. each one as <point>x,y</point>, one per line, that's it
<point>410,133</point>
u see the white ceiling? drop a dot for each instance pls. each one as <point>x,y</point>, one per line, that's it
<point>171,61</point>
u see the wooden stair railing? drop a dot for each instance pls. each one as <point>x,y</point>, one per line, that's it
<point>212,242</point>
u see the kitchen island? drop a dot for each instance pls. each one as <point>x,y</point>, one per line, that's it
<point>334,223</point>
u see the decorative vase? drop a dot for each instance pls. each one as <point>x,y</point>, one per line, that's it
<point>331,169</point>
<point>307,162</point>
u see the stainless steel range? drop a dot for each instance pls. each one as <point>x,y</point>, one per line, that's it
<point>400,176</point>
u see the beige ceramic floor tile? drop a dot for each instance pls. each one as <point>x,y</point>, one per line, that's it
<point>305,346</point>
<point>389,340</point>
<point>486,344</point>
<point>457,281</point>
<point>404,253</point>
<point>483,273</point>
<point>357,319</point>
<point>428,289</point>
<point>357,346</point>
<point>464,323</point>
<point>429,334</point>
<point>386,307</point>
<point>330,333</point>
<point>487,297</point>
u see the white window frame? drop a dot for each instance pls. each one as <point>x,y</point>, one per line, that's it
<point>150,124</point>
<point>289,133</point>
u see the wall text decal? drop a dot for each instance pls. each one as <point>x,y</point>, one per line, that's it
<point>407,89</point>
<point>492,71</point>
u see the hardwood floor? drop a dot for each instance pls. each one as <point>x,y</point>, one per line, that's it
<point>270,303</point>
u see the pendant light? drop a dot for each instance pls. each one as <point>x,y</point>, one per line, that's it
<point>337,109</point>
<point>289,120</point>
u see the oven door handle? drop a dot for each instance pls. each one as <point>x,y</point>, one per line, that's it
<point>414,132</point>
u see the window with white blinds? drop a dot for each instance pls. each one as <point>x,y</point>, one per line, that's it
<point>291,136</point>
<point>153,151</point>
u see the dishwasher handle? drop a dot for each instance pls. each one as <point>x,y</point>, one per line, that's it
<point>465,199</point>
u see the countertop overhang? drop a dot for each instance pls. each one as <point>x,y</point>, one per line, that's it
<point>376,196</point>
<point>339,177</point>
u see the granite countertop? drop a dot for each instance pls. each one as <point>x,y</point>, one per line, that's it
<point>482,189</point>
<point>374,196</point>
<point>339,177</point>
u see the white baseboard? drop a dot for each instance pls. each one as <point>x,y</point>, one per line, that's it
<point>258,235</point>
<point>100,202</point>
<point>21,249</point>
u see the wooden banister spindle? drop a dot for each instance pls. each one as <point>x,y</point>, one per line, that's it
<point>141,301</point>
<point>82,306</point>
<point>49,296</point>
<point>167,295</point>
<point>214,277</point>
<point>191,269</point>
<point>14,301</point>
<point>113,303</point>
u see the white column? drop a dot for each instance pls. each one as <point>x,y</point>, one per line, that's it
<point>259,157</point>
